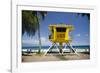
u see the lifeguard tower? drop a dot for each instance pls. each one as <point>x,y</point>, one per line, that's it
<point>60,35</point>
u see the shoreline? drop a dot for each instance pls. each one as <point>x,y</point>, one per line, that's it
<point>33,56</point>
<point>67,50</point>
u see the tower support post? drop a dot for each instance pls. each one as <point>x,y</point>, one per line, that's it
<point>61,48</point>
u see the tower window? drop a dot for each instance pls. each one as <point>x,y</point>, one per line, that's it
<point>61,29</point>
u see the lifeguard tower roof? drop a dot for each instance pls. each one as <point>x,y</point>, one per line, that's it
<point>61,25</point>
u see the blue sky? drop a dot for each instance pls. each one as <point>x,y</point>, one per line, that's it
<point>81,33</point>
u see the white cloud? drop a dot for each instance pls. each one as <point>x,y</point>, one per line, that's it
<point>78,35</point>
<point>30,41</point>
<point>44,41</point>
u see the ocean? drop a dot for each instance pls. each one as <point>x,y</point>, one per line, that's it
<point>46,47</point>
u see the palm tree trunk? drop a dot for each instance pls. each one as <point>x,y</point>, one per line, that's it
<point>39,37</point>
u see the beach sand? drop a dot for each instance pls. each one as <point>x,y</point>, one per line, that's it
<point>54,57</point>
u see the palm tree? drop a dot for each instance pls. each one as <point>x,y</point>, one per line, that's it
<point>85,14</point>
<point>31,23</point>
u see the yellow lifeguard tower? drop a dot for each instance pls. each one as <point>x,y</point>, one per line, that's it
<point>60,35</point>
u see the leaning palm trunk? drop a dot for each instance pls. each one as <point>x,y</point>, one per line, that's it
<point>39,37</point>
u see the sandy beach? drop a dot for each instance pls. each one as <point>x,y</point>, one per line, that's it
<point>33,57</point>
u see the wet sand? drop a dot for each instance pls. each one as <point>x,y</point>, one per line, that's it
<point>54,57</point>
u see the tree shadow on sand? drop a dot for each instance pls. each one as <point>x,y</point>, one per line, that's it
<point>61,57</point>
